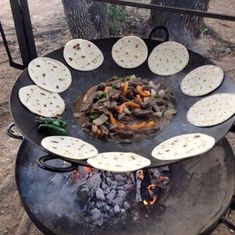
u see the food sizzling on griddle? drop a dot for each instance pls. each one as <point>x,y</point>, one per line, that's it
<point>125,109</point>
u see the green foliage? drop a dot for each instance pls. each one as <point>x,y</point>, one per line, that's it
<point>117,16</point>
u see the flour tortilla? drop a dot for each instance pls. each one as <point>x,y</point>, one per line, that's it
<point>212,110</point>
<point>183,146</point>
<point>202,80</point>
<point>129,52</point>
<point>168,58</point>
<point>49,74</point>
<point>41,102</point>
<point>69,147</point>
<point>119,162</point>
<point>83,55</point>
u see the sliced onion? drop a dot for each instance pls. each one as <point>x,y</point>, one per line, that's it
<point>158,114</point>
<point>162,93</point>
<point>113,104</point>
<point>153,93</point>
<point>100,120</point>
<point>127,111</point>
<point>132,77</point>
<point>146,99</point>
<point>156,87</point>
<point>120,116</point>
<point>94,128</point>
<point>169,113</point>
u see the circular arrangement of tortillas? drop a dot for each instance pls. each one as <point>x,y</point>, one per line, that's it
<point>41,102</point>
<point>129,52</point>
<point>202,80</point>
<point>212,110</point>
<point>69,147</point>
<point>49,74</point>
<point>119,161</point>
<point>168,58</point>
<point>183,146</point>
<point>83,55</point>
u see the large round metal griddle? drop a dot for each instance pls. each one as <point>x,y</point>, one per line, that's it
<point>82,81</point>
<point>198,195</point>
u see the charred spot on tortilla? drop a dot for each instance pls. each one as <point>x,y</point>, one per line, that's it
<point>53,141</point>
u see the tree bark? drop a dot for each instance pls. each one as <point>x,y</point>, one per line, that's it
<point>183,28</point>
<point>86,19</point>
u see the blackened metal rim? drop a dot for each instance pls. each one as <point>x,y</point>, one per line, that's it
<point>38,224</point>
<point>208,230</point>
<point>223,210</point>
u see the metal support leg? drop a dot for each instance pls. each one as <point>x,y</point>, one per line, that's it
<point>24,32</point>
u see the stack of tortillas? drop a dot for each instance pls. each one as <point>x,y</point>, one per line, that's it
<point>41,102</point>
<point>83,55</point>
<point>168,58</point>
<point>49,74</point>
<point>212,110</point>
<point>69,147</point>
<point>130,52</point>
<point>202,80</point>
<point>183,146</point>
<point>119,162</point>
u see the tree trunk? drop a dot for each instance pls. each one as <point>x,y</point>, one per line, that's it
<point>86,19</point>
<point>183,28</point>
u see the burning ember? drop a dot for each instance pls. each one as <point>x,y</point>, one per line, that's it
<point>103,197</point>
<point>151,182</point>
<point>152,196</point>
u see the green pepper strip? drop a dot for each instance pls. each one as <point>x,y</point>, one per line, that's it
<point>52,121</point>
<point>51,129</point>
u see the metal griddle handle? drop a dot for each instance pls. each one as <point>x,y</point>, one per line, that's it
<point>232,129</point>
<point>11,133</point>
<point>160,28</point>
<point>42,164</point>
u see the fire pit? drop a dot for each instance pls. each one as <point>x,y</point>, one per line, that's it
<point>88,201</point>
<point>189,197</point>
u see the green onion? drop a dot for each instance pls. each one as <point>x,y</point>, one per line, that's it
<point>114,86</point>
<point>101,96</point>
<point>94,116</point>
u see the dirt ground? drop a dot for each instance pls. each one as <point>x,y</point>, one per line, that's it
<point>51,32</point>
